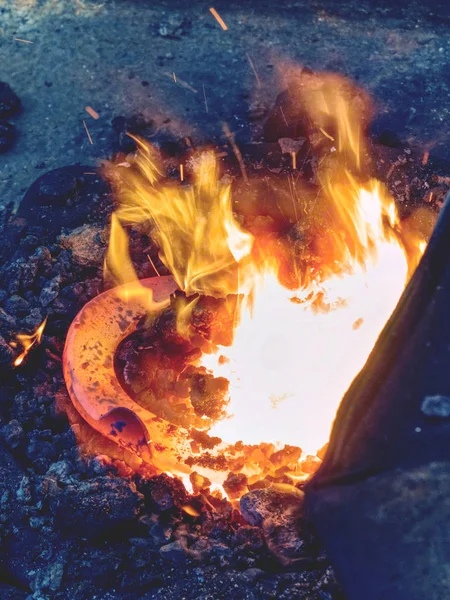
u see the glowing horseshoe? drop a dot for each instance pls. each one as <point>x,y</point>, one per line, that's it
<point>88,364</point>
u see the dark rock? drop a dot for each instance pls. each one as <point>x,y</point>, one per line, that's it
<point>9,101</point>
<point>284,539</point>
<point>175,552</point>
<point>260,504</point>
<point>3,295</point>
<point>16,305</point>
<point>87,244</point>
<point>12,433</point>
<point>93,507</point>
<point>7,135</point>
<point>50,291</point>
<point>436,406</point>
<point>165,492</point>
<point>7,323</point>
<point>33,320</point>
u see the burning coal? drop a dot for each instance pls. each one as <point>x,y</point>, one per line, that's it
<point>300,319</point>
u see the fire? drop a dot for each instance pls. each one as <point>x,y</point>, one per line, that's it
<point>296,349</point>
<point>28,341</point>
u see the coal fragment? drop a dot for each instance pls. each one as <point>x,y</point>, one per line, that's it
<point>50,291</point>
<point>12,433</point>
<point>93,507</point>
<point>175,552</point>
<point>7,135</point>
<point>16,305</point>
<point>260,504</point>
<point>9,101</point>
<point>87,245</point>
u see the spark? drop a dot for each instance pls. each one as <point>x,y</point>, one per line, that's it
<point>94,114</point>
<point>181,172</point>
<point>330,137</point>
<point>204,96</point>
<point>87,131</point>
<point>89,173</point>
<point>24,41</point>
<point>237,152</point>
<point>258,81</point>
<point>218,18</point>
<point>294,160</point>
<point>180,81</point>
<point>27,341</point>
<point>426,155</point>
<point>282,112</point>
<point>153,265</point>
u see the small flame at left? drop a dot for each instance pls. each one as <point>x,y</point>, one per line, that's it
<point>28,341</point>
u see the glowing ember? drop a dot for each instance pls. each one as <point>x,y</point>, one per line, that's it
<point>28,341</point>
<point>218,18</point>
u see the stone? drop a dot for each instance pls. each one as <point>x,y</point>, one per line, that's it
<point>87,244</point>
<point>9,101</point>
<point>92,507</point>
<point>436,406</point>
<point>174,552</point>
<point>12,433</point>
<point>50,292</point>
<point>260,504</point>
<point>16,305</point>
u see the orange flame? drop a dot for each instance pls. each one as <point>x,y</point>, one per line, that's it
<point>28,341</point>
<point>294,351</point>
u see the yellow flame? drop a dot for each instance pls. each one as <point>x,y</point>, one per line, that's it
<point>294,352</point>
<point>28,341</point>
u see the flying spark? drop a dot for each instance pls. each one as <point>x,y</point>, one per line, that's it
<point>87,131</point>
<point>94,114</point>
<point>218,18</point>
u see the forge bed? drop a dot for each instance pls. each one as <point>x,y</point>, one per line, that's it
<point>75,529</point>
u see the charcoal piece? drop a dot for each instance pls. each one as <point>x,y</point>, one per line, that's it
<point>9,101</point>
<point>16,305</point>
<point>174,552</point>
<point>13,434</point>
<point>64,198</point>
<point>87,244</point>
<point>94,507</point>
<point>7,135</point>
<point>164,492</point>
<point>50,291</point>
<point>258,505</point>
